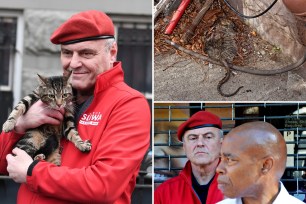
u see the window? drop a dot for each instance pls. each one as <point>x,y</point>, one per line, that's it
<point>135,51</point>
<point>8,28</point>
<point>11,43</point>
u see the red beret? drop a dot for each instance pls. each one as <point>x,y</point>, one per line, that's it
<point>84,26</point>
<point>199,120</point>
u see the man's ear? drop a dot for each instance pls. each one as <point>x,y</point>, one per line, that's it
<point>267,164</point>
<point>113,52</point>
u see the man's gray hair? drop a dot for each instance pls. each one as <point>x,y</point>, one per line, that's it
<point>109,43</point>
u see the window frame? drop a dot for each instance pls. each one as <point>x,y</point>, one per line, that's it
<point>15,64</point>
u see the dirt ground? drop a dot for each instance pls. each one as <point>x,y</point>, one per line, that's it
<point>180,77</point>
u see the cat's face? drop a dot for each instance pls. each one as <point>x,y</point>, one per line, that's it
<point>55,91</point>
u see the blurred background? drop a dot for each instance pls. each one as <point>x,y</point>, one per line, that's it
<point>25,49</point>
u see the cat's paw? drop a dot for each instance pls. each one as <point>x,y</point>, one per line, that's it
<point>55,158</point>
<point>9,125</point>
<point>40,157</point>
<point>57,162</point>
<point>84,146</point>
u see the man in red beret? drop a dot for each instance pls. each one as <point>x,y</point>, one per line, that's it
<point>114,117</point>
<point>202,136</point>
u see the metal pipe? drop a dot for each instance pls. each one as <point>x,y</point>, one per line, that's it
<point>177,16</point>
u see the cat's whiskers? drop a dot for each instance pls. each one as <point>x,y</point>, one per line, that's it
<point>48,108</point>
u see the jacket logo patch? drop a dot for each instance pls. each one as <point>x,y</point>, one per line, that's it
<point>91,119</point>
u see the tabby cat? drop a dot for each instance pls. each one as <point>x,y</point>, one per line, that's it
<point>44,142</point>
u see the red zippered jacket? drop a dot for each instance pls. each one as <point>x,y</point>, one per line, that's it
<point>178,190</point>
<point>118,125</point>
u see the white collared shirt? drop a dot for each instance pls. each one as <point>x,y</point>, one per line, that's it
<point>282,198</point>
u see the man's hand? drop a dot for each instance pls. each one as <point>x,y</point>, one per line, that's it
<point>18,164</point>
<point>37,115</point>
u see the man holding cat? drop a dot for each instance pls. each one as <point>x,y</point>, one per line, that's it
<point>114,117</point>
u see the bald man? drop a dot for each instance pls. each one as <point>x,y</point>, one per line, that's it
<point>253,160</point>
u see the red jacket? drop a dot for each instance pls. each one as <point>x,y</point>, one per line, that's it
<point>118,125</point>
<point>178,190</point>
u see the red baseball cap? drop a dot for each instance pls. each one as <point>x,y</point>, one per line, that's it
<point>84,26</point>
<point>199,120</point>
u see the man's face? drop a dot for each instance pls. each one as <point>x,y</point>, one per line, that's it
<point>202,145</point>
<point>239,170</point>
<point>86,60</point>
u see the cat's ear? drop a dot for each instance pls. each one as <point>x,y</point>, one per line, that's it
<point>67,75</point>
<point>42,79</point>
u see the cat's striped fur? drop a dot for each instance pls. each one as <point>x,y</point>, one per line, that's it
<point>44,142</point>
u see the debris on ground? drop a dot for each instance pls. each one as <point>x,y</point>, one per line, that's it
<point>173,82</point>
<point>248,42</point>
